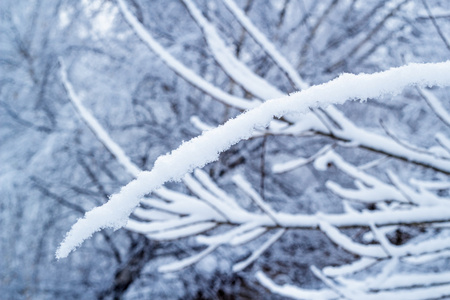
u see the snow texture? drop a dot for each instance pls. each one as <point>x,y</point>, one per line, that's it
<point>206,148</point>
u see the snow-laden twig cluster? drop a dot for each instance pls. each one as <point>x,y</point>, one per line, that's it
<point>172,215</point>
<point>165,214</point>
<point>206,148</point>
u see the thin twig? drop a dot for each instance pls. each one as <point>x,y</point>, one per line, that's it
<point>438,29</point>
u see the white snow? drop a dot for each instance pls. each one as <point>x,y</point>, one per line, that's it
<point>384,144</point>
<point>430,185</point>
<point>245,186</point>
<point>180,264</point>
<point>443,140</point>
<point>408,280</point>
<point>346,243</point>
<point>180,68</point>
<point>266,45</point>
<point>181,232</point>
<point>370,191</point>
<point>351,268</point>
<point>95,126</point>
<point>298,162</point>
<point>294,292</point>
<point>426,258</point>
<point>247,236</point>
<point>229,63</point>
<point>204,179</point>
<point>257,253</point>
<point>436,105</point>
<point>206,147</point>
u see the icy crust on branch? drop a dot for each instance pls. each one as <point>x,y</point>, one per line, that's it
<point>206,148</point>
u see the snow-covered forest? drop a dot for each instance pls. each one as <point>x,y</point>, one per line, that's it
<point>225,149</point>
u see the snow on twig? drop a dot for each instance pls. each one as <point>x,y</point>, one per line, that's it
<point>299,162</point>
<point>382,277</point>
<point>247,236</point>
<point>244,185</point>
<point>206,147</point>
<point>228,236</point>
<point>181,232</point>
<point>443,141</point>
<point>95,126</point>
<point>351,268</point>
<point>373,163</point>
<point>257,253</point>
<point>342,291</point>
<point>430,185</point>
<point>346,131</point>
<point>414,280</point>
<point>266,45</point>
<point>435,105</point>
<point>292,291</point>
<point>404,143</point>
<point>219,206</point>
<point>383,144</point>
<point>204,179</point>
<point>384,242</point>
<point>404,286</point>
<point>179,68</point>
<point>346,243</point>
<point>426,258</point>
<point>170,226</point>
<point>421,197</point>
<point>165,227</point>
<point>234,68</point>
<point>181,264</point>
<point>365,192</point>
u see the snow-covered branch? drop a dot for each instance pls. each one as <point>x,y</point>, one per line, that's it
<point>169,215</point>
<point>266,45</point>
<point>179,68</point>
<point>347,131</point>
<point>93,124</point>
<point>206,148</point>
<point>238,71</point>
